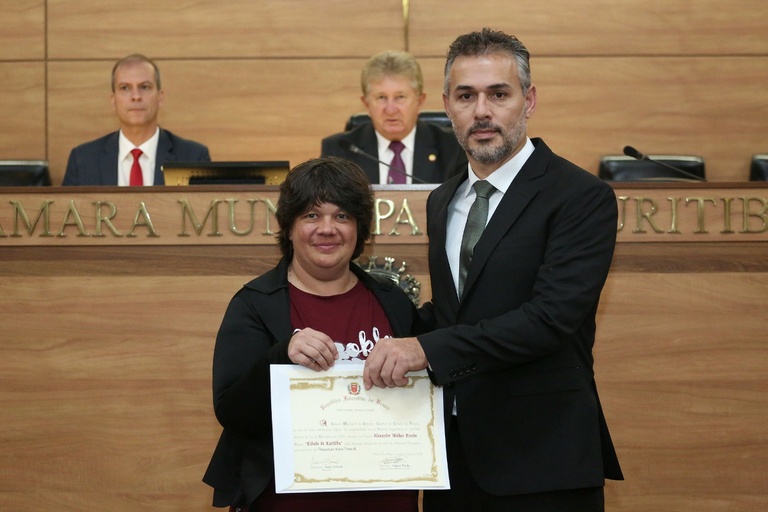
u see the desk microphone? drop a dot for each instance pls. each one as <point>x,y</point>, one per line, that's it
<point>348,146</point>
<point>630,151</point>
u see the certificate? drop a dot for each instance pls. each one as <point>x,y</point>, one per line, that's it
<point>330,434</point>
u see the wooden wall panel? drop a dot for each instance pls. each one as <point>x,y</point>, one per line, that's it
<point>79,108</point>
<point>111,401</point>
<point>602,105</point>
<point>22,29</point>
<point>630,27</point>
<point>683,387</point>
<point>105,357</point>
<point>98,405</point>
<point>716,108</point>
<point>260,80</point>
<point>22,109</point>
<point>259,109</point>
<point>281,109</point>
<point>713,107</point>
<point>239,28</point>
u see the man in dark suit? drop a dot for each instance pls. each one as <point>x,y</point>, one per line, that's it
<point>134,154</point>
<point>392,85</point>
<point>514,312</point>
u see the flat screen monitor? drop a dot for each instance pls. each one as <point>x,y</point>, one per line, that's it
<point>225,173</point>
<point>24,173</point>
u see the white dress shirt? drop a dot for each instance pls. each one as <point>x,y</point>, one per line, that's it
<point>386,155</point>
<point>458,210</point>
<point>146,160</point>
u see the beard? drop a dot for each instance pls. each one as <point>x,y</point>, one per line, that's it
<point>486,152</point>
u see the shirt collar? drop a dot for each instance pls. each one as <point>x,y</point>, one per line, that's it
<point>502,177</point>
<point>409,141</point>
<point>149,147</point>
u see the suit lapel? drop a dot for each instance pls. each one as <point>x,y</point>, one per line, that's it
<point>366,140</point>
<point>164,154</point>
<point>108,169</point>
<point>425,156</point>
<point>440,201</point>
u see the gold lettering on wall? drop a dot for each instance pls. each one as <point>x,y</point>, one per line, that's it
<point>673,201</point>
<point>142,219</point>
<point>404,216</point>
<point>76,221</point>
<point>20,214</point>
<point>270,212</point>
<point>700,212</point>
<point>101,219</point>
<point>378,216</point>
<point>749,214</point>
<point>251,217</point>
<point>645,215</point>
<point>188,212</point>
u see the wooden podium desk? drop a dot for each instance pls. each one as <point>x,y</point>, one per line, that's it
<point>111,299</point>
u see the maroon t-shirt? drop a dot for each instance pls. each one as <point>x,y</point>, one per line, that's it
<point>355,321</point>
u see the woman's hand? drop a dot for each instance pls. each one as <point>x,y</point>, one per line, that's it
<point>312,349</point>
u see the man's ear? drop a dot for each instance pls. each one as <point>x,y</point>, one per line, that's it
<point>530,101</point>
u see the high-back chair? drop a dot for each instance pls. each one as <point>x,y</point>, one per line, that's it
<point>654,168</point>
<point>759,169</point>
<point>438,117</point>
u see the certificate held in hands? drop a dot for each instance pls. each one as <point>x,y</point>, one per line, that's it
<point>330,434</point>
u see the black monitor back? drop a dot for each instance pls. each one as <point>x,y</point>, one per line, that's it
<point>24,173</point>
<point>225,173</point>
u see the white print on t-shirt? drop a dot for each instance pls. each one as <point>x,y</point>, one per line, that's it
<point>355,350</point>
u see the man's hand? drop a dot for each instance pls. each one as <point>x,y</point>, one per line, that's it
<point>390,360</point>
<point>312,349</point>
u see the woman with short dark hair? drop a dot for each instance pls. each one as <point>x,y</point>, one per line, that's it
<point>313,308</point>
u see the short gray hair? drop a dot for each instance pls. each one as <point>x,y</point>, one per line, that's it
<point>489,41</point>
<point>133,59</point>
<point>392,63</point>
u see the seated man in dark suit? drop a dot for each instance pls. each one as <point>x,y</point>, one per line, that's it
<point>393,93</point>
<point>133,155</point>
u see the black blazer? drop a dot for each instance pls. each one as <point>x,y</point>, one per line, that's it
<point>95,162</point>
<point>437,157</point>
<point>254,333</point>
<point>516,352</point>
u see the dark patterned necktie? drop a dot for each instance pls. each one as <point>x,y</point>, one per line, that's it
<point>476,219</point>
<point>397,166</point>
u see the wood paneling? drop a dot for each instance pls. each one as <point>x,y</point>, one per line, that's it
<point>22,109</point>
<point>716,108</point>
<point>79,109</point>
<point>81,29</point>
<point>22,30</point>
<point>268,80</point>
<point>251,110</point>
<point>106,390</point>
<point>681,362</point>
<point>281,109</point>
<point>105,357</point>
<point>599,28</point>
<point>713,107</point>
